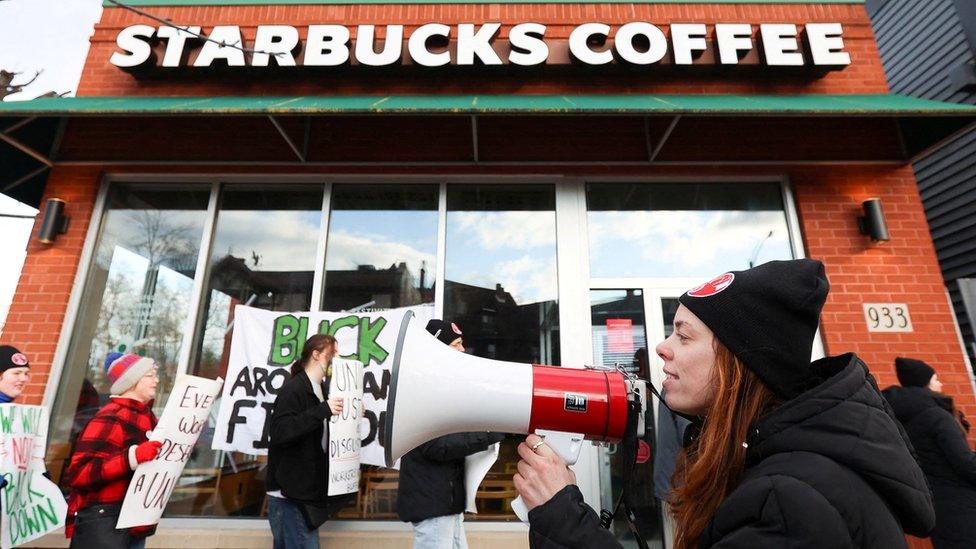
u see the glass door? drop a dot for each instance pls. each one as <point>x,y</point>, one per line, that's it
<point>626,326</point>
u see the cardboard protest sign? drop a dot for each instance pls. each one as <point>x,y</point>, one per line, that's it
<point>32,504</point>
<point>266,343</point>
<point>184,416</point>
<point>344,439</point>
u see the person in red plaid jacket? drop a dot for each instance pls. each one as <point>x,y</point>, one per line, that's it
<point>106,454</point>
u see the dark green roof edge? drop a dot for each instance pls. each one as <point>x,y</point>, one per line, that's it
<point>349,2</point>
<point>866,105</point>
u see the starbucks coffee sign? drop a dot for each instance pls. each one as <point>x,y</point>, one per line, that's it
<point>817,46</point>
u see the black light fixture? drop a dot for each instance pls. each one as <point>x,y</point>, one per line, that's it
<point>873,222</point>
<point>54,221</point>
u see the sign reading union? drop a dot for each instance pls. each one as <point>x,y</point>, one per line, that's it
<point>817,46</point>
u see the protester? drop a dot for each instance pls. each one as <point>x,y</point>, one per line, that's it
<point>787,453</point>
<point>939,438</point>
<point>107,452</point>
<point>431,494</point>
<point>298,456</point>
<point>14,373</point>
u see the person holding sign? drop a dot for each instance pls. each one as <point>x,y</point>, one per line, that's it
<point>431,494</point>
<point>107,453</point>
<point>298,458</point>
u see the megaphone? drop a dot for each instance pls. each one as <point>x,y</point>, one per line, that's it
<point>435,391</point>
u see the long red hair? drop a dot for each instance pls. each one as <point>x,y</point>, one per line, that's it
<point>710,468</point>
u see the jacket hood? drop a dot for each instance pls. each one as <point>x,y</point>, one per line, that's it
<point>908,402</point>
<point>846,419</point>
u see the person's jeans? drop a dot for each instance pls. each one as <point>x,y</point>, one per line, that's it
<point>288,526</point>
<point>440,533</point>
<point>95,527</point>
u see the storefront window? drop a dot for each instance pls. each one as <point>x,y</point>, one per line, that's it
<point>137,299</point>
<point>382,247</point>
<point>263,255</point>
<point>501,289</point>
<point>381,254</point>
<point>684,229</point>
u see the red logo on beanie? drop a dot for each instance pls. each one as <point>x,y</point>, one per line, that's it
<point>455,328</point>
<point>19,359</point>
<point>713,286</point>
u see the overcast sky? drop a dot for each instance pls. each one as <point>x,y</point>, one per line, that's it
<point>37,35</point>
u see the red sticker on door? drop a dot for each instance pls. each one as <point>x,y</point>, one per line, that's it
<point>713,286</point>
<point>643,451</point>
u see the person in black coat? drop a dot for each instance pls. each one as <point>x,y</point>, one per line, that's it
<point>943,453</point>
<point>431,493</point>
<point>298,458</point>
<point>785,453</point>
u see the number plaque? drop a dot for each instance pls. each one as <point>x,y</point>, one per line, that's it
<point>887,317</point>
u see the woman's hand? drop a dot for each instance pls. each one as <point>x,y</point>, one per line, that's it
<point>335,404</point>
<point>541,473</point>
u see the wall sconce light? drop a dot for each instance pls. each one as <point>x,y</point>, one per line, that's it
<point>54,221</point>
<point>873,222</point>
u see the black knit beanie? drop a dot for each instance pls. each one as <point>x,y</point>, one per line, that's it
<point>766,316</point>
<point>10,357</point>
<point>913,373</point>
<point>443,330</point>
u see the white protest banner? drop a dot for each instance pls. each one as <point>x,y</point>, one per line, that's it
<point>184,416</point>
<point>344,438</point>
<point>266,343</point>
<point>32,504</point>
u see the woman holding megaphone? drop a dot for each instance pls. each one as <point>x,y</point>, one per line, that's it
<point>298,457</point>
<point>783,453</point>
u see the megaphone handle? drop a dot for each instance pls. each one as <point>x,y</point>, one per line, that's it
<point>521,511</point>
<point>567,446</point>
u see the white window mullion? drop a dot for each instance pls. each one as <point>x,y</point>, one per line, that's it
<point>318,279</point>
<point>441,251</point>
<point>194,316</point>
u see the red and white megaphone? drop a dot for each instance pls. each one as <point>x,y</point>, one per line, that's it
<point>435,391</point>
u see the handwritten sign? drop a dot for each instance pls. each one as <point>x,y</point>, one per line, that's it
<point>184,416</point>
<point>263,348</point>
<point>344,439</point>
<point>32,504</point>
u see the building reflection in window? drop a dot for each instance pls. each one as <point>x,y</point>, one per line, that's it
<point>382,247</point>
<point>262,256</point>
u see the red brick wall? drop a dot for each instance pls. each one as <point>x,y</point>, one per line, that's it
<point>864,76</point>
<point>39,306</point>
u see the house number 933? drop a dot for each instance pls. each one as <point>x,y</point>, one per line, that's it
<point>887,317</point>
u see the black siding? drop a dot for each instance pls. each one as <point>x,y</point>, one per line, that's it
<point>921,43</point>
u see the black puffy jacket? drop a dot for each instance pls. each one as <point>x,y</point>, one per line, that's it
<point>432,475</point>
<point>829,468</point>
<point>945,458</point>
<point>297,463</point>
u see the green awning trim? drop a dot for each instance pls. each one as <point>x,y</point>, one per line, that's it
<point>778,105</point>
<point>143,3</point>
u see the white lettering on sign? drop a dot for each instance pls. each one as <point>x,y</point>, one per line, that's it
<point>888,317</point>
<point>435,44</point>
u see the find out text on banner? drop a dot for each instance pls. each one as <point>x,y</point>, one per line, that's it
<point>32,504</point>
<point>266,343</point>
<point>184,416</point>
